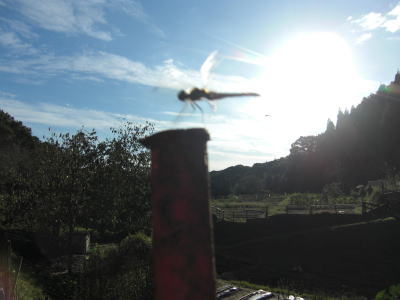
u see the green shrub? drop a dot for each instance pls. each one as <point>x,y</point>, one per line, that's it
<point>27,288</point>
<point>391,293</point>
<point>123,272</point>
<point>137,245</point>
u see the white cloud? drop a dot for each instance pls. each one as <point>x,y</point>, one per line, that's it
<point>80,17</point>
<point>375,20</point>
<point>238,139</point>
<point>65,16</point>
<point>134,9</point>
<point>370,21</point>
<point>393,25</point>
<point>364,37</point>
<point>4,94</point>
<point>12,41</point>
<point>182,114</point>
<point>64,116</point>
<point>19,27</point>
<point>16,35</point>
<point>103,65</point>
<point>395,11</point>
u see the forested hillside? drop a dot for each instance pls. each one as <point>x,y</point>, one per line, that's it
<point>363,145</point>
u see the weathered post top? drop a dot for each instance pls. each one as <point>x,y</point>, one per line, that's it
<point>182,240</point>
<point>184,136</point>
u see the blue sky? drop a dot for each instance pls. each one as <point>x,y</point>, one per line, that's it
<point>94,63</point>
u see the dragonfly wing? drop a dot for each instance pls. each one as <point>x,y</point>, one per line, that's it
<point>207,66</point>
<point>213,105</point>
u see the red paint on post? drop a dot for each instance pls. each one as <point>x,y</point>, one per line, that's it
<point>182,237</point>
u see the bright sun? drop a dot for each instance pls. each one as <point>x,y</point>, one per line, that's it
<point>312,60</point>
<point>308,79</point>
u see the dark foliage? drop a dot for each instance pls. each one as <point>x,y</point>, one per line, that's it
<point>74,180</point>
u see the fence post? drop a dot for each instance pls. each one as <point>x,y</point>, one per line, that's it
<point>363,207</point>
<point>9,269</point>
<point>14,289</point>
<point>182,236</point>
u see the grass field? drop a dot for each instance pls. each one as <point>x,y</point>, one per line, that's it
<point>276,204</point>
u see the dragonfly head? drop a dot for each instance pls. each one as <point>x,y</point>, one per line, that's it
<point>182,95</point>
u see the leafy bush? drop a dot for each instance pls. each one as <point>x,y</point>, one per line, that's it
<point>392,292</point>
<point>122,272</point>
<point>137,245</point>
<point>28,288</point>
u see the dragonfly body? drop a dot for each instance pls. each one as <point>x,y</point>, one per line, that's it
<point>197,94</point>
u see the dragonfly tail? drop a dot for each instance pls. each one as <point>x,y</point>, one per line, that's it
<point>216,96</point>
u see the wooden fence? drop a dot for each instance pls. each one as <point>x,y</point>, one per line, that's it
<point>237,214</point>
<point>339,209</point>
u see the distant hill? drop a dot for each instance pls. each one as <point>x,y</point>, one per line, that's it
<point>363,145</point>
<point>16,142</point>
<point>14,134</point>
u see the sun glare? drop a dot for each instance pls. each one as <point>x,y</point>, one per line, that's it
<point>307,80</point>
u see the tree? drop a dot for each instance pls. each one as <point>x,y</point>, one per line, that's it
<point>304,145</point>
<point>250,184</point>
<point>330,127</point>
<point>120,185</point>
<point>75,180</point>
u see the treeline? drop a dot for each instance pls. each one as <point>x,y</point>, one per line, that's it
<point>363,145</point>
<point>71,181</point>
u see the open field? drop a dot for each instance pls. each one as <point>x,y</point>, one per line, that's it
<point>340,255</point>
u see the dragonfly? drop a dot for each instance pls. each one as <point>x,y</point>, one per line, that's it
<point>197,94</point>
